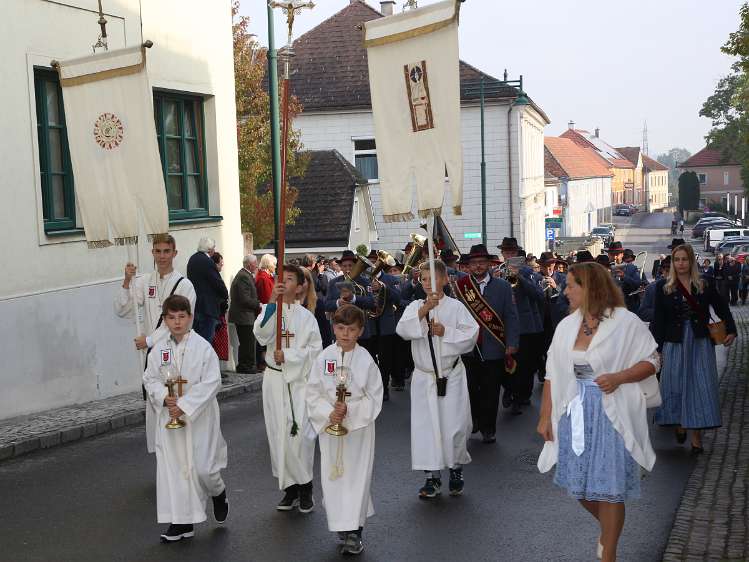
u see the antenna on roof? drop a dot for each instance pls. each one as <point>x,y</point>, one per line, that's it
<point>645,139</point>
<point>410,5</point>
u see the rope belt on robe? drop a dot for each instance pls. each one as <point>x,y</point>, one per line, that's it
<point>585,378</point>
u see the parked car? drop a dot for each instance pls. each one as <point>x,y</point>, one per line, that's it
<point>727,241</point>
<point>710,214</point>
<point>623,211</point>
<point>699,229</point>
<point>604,234</point>
<point>610,225</point>
<point>727,244</point>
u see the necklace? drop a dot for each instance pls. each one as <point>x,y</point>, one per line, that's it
<point>181,361</point>
<point>587,330</point>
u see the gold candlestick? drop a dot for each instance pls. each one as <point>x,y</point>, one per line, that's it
<point>179,382</point>
<point>337,429</point>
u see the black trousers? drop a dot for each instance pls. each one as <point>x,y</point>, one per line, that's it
<point>484,382</point>
<point>247,344</point>
<point>401,357</point>
<point>732,291</point>
<point>383,350</point>
<point>530,358</point>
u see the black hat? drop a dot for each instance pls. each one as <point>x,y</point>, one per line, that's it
<point>509,243</point>
<point>583,256</point>
<point>615,247</point>
<point>603,259</point>
<point>547,258</point>
<point>477,251</point>
<point>629,254</point>
<point>448,255</point>
<point>676,242</point>
<point>347,255</point>
<point>665,262</point>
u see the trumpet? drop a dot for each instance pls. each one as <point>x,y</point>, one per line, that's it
<point>508,270</point>
<point>419,243</point>
<point>383,260</point>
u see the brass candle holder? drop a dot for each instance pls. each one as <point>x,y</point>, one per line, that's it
<point>337,429</point>
<point>171,383</point>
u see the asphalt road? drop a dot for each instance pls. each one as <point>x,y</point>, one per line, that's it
<point>95,500</point>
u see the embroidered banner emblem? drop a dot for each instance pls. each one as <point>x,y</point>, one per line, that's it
<point>108,131</point>
<point>151,291</point>
<point>417,86</point>
<point>166,356</point>
<point>330,366</point>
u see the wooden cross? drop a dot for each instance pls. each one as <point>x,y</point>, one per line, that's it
<point>180,382</point>
<point>286,335</point>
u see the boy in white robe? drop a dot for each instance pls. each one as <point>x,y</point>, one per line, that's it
<point>440,425</point>
<point>290,439</point>
<point>346,461</point>
<point>150,292</point>
<point>188,459</point>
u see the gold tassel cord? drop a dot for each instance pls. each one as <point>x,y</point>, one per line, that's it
<point>337,470</point>
<point>402,217</point>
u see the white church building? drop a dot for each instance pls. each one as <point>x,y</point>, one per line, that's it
<point>61,342</point>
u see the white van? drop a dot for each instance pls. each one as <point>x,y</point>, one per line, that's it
<point>713,237</point>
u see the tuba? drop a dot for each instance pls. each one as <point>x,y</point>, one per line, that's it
<point>361,265</point>
<point>414,257</point>
<point>383,260</point>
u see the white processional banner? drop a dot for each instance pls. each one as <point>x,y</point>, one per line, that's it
<point>113,148</point>
<point>414,79</point>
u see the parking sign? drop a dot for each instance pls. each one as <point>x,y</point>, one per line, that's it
<point>550,234</point>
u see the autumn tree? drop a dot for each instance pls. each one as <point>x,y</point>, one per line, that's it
<point>253,136</point>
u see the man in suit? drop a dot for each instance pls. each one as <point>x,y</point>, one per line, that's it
<point>243,309</point>
<point>209,287</point>
<point>486,364</point>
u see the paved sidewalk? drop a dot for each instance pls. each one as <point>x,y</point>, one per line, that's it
<point>24,434</point>
<point>713,518</point>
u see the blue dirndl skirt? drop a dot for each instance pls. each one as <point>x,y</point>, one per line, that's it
<point>689,383</point>
<point>605,471</point>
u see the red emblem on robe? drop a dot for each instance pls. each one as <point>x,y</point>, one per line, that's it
<point>330,366</point>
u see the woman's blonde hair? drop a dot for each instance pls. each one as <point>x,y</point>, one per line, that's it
<point>268,262</point>
<point>309,300</point>
<point>694,272</point>
<point>600,294</point>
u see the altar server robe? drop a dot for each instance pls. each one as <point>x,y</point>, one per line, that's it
<point>346,496</point>
<point>188,460</point>
<point>440,426</point>
<point>150,292</point>
<point>284,389</point>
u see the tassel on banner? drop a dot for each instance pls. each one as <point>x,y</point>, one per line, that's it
<point>425,213</point>
<point>458,210</point>
<point>98,244</point>
<point>126,241</point>
<point>402,217</point>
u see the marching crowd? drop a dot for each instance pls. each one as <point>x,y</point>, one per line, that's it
<point>605,344</point>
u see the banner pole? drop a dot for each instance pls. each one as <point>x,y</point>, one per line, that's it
<point>433,279</point>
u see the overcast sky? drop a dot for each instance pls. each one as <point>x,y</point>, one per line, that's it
<point>612,65</point>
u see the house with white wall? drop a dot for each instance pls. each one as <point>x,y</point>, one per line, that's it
<point>584,184</point>
<point>62,343</point>
<point>331,80</point>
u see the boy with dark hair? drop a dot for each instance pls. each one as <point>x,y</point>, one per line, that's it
<point>150,291</point>
<point>191,452</point>
<point>292,449</point>
<point>345,388</point>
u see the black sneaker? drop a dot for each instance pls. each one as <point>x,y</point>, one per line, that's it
<point>431,489</point>
<point>290,499</point>
<point>385,395</point>
<point>177,532</point>
<point>220,507</point>
<point>456,482</point>
<point>306,501</point>
<point>399,387</point>
<point>516,411</point>
<point>353,544</point>
<point>488,437</point>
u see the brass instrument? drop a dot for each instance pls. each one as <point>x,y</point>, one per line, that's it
<point>507,274</point>
<point>383,260</point>
<point>419,244</point>
<point>361,265</point>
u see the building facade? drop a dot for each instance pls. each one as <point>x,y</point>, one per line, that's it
<point>655,178</point>
<point>62,343</point>
<point>720,178</point>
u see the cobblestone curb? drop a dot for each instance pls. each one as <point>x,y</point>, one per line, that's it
<point>23,435</point>
<point>712,518</point>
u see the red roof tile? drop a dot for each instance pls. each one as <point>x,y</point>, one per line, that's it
<point>652,165</point>
<point>568,159</point>
<point>707,157</point>
<point>631,153</point>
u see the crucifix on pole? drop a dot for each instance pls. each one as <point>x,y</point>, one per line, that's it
<point>291,9</point>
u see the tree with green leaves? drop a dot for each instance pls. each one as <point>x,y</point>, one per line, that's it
<point>689,192</point>
<point>253,136</point>
<point>727,107</point>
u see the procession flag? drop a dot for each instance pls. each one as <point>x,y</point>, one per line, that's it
<point>113,148</point>
<point>415,87</point>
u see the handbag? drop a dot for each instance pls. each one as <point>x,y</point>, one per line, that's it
<point>717,331</point>
<point>651,390</point>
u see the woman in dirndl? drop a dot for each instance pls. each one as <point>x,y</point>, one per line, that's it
<point>593,414</point>
<point>689,376</point>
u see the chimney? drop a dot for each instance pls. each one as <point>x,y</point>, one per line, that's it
<point>386,7</point>
<point>571,125</point>
<point>597,131</point>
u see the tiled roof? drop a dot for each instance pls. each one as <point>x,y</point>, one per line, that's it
<point>605,150</point>
<point>326,199</point>
<point>330,71</point>
<point>707,157</point>
<point>652,165</point>
<point>565,158</point>
<point>630,153</point>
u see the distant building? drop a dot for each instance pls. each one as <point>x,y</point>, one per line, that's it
<point>623,171</point>
<point>656,183</point>
<point>331,80</point>
<point>584,185</point>
<point>719,177</point>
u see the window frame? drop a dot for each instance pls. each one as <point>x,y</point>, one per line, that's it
<point>159,97</point>
<point>43,76</point>
<point>702,178</point>
<point>366,152</point>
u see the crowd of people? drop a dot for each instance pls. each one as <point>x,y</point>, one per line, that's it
<point>605,343</point>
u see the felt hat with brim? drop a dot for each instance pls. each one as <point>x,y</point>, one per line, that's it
<point>604,260</point>
<point>477,251</point>
<point>548,258</point>
<point>347,255</point>
<point>615,248</point>
<point>509,243</point>
<point>629,254</point>
<point>676,242</point>
<point>583,256</point>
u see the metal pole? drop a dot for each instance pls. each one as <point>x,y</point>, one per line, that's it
<point>483,170</point>
<point>274,130</point>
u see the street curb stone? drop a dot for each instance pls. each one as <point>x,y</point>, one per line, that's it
<point>26,434</point>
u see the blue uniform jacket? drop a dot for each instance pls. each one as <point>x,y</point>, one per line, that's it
<point>498,294</point>
<point>529,300</point>
<point>386,323</point>
<point>647,304</point>
<point>365,302</point>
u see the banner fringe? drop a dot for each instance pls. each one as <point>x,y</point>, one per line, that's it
<point>400,217</point>
<point>458,210</point>
<point>97,244</point>
<point>126,241</point>
<point>424,213</point>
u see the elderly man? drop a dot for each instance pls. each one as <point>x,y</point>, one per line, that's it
<point>209,287</point>
<point>243,310</point>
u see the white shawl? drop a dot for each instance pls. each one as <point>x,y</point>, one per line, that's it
<point>620,342</point>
